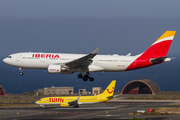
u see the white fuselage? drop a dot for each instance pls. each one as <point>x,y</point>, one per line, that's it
<point>32,60</point>
<point>70,63</point>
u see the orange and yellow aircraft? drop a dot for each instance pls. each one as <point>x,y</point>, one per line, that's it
<point>65,101</point>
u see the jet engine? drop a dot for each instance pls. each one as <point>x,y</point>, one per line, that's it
<point>55,68</point>
<point>64,105</point>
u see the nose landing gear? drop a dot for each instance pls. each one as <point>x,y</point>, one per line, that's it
<point>86,77</point>
<point>21,71</point>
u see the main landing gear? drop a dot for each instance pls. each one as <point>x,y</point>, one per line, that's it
<point>86,77</point>
<point>76,105</point>
<point>21,71</point>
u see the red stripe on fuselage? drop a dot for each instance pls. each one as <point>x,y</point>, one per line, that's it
<point>155,51</point>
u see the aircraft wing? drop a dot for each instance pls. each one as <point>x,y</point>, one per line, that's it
<point>74,103</point>
<point>83,61</point>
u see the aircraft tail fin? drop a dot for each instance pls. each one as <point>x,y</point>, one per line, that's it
<point>161,46</point>
<point>155,54</point>
<point>109,91</point>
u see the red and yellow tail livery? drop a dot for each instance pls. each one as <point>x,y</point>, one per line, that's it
<point>155,54</point>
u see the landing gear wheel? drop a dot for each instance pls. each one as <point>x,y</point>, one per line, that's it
<point>75,105</point>
<point>21,73</point>
<point>91,79</point>
<point>85,78</point>
<point>80,76</point>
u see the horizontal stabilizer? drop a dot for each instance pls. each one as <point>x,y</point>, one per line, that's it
<point>129,54</point>
<point>113,96</point>
<point>158,60</point>
<point>110,97</point>
<point>78,98</point>
<point>116,95</point>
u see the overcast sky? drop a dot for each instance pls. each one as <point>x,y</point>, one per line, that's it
<point>89,8</point>
<point>80,26</point>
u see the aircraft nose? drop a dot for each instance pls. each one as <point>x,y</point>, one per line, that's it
<point>36,102</point>
<point>5,60</point>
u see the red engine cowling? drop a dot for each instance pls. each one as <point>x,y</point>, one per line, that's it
<point>54,68</point>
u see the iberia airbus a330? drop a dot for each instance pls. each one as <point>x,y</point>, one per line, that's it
<point>86,63</point>
<point>65,101</point>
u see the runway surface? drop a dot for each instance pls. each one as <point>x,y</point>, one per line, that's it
<point>114,109</point>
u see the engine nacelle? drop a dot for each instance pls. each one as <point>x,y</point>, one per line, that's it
<point>54,68</point>
<point>64,105</point>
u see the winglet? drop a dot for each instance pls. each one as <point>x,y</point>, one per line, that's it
<point>78,98</point>
<point>95,51</point>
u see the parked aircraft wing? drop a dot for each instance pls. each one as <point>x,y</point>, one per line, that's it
<point>83,61</point>
<point>75,103</point>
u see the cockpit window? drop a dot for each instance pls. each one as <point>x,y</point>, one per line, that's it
<point>39,100</point>
<point>9,56</point>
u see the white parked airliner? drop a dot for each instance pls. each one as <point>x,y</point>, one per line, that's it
<point>70,63</point>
